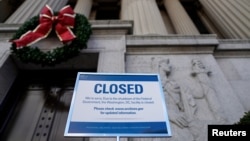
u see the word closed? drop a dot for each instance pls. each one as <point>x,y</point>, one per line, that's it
<point>118,89</point>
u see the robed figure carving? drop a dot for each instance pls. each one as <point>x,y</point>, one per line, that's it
<point>183,108</point>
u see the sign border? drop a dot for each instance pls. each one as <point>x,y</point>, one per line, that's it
<point>66,134</point>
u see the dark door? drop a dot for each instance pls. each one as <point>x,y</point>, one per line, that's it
<point>41,111</point>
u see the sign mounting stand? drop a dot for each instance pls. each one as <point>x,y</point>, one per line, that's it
<point>117,138</point>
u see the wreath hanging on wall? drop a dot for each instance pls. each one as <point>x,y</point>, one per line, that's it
<point>72,29</point>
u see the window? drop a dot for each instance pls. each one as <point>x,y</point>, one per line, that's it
<point>107,10</point>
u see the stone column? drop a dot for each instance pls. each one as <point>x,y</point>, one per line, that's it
<point>231,16</point>
<point>146,16</point>
<point>83,7</point>
<point>31,8</point>
<point>56,5</point>
<point>209,24</point>
<point>180,19</point>
<point>212,14</point>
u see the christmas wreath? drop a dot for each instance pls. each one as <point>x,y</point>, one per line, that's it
<point>72,29</point>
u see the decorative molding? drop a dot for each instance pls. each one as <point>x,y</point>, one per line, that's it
<point>171,44</point>
<point>113,27</point>
<point>233,48</point>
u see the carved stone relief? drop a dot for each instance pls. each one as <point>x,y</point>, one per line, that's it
<point>178,114</point>
<point>201,74</point>
<point>190,96</point>
<point>185,106</point>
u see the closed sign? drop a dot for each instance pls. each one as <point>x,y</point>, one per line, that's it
<point>107,104</point>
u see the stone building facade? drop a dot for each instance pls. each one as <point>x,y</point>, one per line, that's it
<point>200,48</point>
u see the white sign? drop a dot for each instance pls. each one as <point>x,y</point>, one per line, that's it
<point>117,105</point>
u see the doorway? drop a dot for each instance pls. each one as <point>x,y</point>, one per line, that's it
<point>37,105</point>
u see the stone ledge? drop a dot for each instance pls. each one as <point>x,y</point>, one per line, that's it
<point>233,44</point>
<point>233,48</point>
<point>175,44</point>
<point>172,40</point>
<point>98,26</point>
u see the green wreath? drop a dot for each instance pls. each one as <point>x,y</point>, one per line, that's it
<point>82,30</point>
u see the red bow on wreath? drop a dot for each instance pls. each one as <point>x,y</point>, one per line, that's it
<point>61,23</point>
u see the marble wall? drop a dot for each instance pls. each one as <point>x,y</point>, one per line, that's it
<point>196,91</point>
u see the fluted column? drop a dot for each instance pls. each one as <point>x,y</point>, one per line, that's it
<point>180,19</point>
<point>215,18</point>
<point>232,16</point>
<point>146,16</point>
<point>83,7</point>
<point>209,24</point>
<point>31,8</point>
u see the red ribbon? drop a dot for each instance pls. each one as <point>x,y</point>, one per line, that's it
<point>61,23</point>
